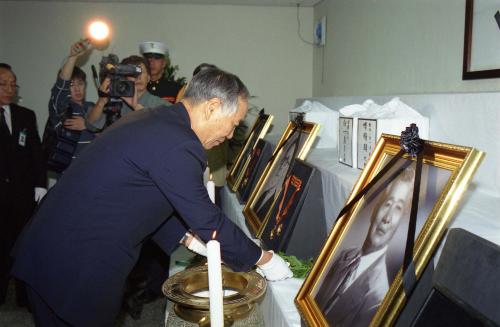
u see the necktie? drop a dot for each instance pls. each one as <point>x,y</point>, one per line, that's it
<point>4,129</point>
<point>348,273</point>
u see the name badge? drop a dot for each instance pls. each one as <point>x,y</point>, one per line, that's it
<point>22,138</point>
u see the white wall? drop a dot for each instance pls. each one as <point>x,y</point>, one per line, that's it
<point>377,47</point>
<point>260,44</point>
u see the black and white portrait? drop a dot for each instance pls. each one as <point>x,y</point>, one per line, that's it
<point>371,250</point>
<point>274,181</point>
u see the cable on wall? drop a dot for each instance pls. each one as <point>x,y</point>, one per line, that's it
<point>298,29</point>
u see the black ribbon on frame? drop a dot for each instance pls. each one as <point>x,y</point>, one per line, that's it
<point>299,126</point>
<point>410,143</point>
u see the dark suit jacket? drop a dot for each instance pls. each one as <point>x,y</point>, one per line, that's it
<point>86,237</point>
<point>357,305</point>
<point>22,168</point>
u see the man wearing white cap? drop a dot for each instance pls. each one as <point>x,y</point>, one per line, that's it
<point>156,53</point>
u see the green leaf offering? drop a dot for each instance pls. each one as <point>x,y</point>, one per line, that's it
<point>299,267</point>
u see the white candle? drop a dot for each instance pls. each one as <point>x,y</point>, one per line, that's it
<point>211,189</point>
<point>215,284</point>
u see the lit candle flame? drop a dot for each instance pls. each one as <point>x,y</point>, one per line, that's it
<point>210,177</point>
<point>214,234</point>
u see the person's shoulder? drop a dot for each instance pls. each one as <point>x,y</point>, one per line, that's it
<point>21,109</point>
<point>165,81</point>
<point>149,100</point>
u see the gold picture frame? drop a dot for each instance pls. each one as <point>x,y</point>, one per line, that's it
<point>446,172</point>
<point>258,131</point>
<point>259,203</point>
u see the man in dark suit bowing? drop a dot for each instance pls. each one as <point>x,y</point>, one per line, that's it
<point>22,173</point>
<point>76,252</point>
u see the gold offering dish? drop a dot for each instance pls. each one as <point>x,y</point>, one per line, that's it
<point>188,289</point>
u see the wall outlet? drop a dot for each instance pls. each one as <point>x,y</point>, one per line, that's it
<point>320,32</point>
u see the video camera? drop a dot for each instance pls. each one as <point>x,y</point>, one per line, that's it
<point>117,73</point>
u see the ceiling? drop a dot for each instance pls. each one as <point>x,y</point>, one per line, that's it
<point>278,3</point>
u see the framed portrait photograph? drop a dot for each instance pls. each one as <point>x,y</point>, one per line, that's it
<point>481,38</point>
<point>257,132</point>
<point>280,224</point>
<point>294,143</point>
<point>254,169</point>
<point>356,279</point>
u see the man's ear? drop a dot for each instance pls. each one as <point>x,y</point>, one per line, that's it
<point>213,107</point>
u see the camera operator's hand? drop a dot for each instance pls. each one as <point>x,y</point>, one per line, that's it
<point>97,111</point>
<point>104,90</point>
<point>78,48</point>
<point>76,123</point>
<point>132,102</point>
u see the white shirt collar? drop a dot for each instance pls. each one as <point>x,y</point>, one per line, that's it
<point>8,116</point>
<point>367,260</point>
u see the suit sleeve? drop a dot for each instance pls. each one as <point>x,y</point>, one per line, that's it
<point>179,175</point>
<point>169,234</point>
<point>38,162</point>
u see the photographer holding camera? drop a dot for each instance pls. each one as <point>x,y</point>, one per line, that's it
<point>66,133</point>
<point>113,85</point>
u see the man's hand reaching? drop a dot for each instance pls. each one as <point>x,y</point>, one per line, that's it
<point>274,269</point>
<point>193,243</point>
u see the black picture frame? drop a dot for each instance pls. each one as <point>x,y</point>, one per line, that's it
<point>258,131</point>
<point>467,72</point>
<point>253,170</point>
<point>281,223</point>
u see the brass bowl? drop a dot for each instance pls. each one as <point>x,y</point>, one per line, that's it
<point>181,288</point>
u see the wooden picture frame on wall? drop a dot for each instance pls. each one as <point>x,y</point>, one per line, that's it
<point>357,276</point>
<point>270,182</point>
<point>481,58</point>
<point>258,131</point>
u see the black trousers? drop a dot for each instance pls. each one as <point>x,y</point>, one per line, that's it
<point>43,315</point>
<point>16,207</point>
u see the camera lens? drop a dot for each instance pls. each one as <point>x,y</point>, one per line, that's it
<point>123,87</point>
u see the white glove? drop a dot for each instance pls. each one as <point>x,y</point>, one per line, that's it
<point>40,193</point>
<point>197,246</point>
<point>275,269</point>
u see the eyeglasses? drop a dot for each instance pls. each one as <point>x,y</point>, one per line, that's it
<point>156,56</point>
<point>6,85</point>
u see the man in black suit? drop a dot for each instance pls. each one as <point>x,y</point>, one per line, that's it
<point>22,173</point>
<point>123,190</point>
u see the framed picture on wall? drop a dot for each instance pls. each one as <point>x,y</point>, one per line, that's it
<point>258,131</point>
<point>481,39</point>
<point>294,143</point>
<point>356,279</point>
